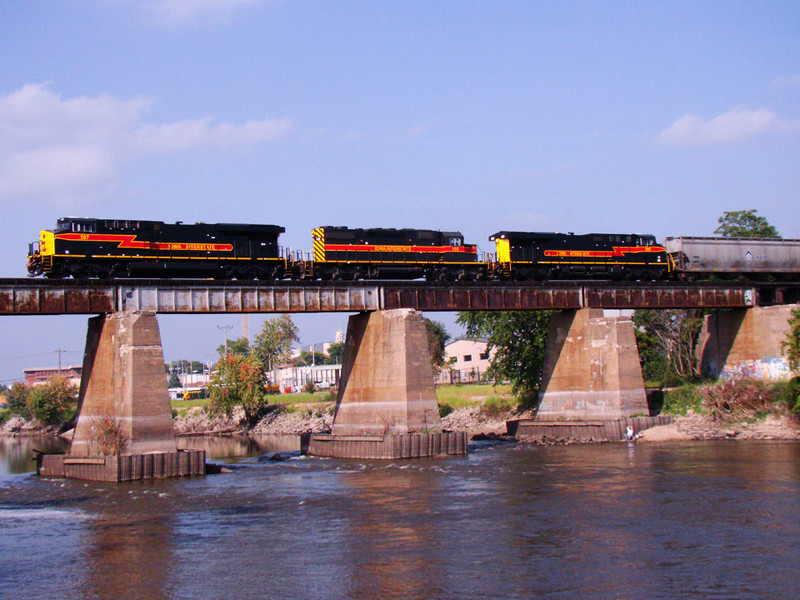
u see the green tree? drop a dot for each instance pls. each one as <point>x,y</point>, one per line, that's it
<point>307,359</point>
<point>237,346</point>
<point>437,340</point>
<point>17,400</point>
<point>745,224</point>
<point>238,381</point>
<point>519,338</point>
<point>273,344</point>
<point>791,345</point>
<point>669,339</point>
<point>53,402</point>
<point>173,381</point>
<point>335,354</point>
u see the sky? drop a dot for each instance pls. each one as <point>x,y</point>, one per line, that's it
<point>477,116</point>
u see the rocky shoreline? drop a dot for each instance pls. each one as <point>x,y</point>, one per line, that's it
<point>474,420</point>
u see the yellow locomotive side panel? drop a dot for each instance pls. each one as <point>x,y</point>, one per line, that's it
<point>503,250</point>
<point>47,243</point>
<point>318,235</point>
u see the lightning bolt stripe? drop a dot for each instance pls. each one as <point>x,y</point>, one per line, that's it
<point>129,242</point>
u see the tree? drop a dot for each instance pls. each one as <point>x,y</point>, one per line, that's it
<point>237,346</point>
<point>671,334</point>
<point>335,354</point>
<point>437,340</point>
<point>273,344</point>
<point>238,381</point>
<point>791,345</point>
<point>17,400</point>
<point>306,359</point>
<point>54,401</point>
<point>173,381</point>
<point>745,224</point>
<point>519,338</point>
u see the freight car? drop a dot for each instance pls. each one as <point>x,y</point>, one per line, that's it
<point>84,248</point>
<point>379,253</point>
<point>541,256</point>
<point>751,258</point>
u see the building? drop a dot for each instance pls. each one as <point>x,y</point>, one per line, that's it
<point>39,376</point>
<point>466,361</point>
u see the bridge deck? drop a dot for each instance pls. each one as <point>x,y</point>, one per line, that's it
<point>41,296</point>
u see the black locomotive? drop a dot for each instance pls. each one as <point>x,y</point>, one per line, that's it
<point>86,248</point>
<point>345,253</point>
<point>542,256</point>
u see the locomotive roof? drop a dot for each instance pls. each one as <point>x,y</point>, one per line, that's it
<point>390,230</point>
<point>546,235</point>
<point>138,223</point>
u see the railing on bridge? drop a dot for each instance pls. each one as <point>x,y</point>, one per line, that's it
<point>41,296</point>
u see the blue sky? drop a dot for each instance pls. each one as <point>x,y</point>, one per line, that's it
<point>478,116</point>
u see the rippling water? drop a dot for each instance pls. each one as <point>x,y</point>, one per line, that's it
<point>690,520</point>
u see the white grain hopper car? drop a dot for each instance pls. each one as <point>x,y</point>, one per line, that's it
<point>702,256</point>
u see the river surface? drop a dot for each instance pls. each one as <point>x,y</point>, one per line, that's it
<point>689,520</point>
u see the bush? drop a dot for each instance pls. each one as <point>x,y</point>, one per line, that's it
<point>54,402</point>
<point>4,415</point>
<point>681,400</point>
<point>444,410</point>
<point>788,394</point>
<point>17,400</point>
<point>238,381</point>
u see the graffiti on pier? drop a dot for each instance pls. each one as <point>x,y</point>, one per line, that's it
<point>768,368</point>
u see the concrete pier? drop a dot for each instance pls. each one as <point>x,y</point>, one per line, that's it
<point>745,343</point>
<point>592,369</point>
<point>124,414</point>
<point>387,406</point>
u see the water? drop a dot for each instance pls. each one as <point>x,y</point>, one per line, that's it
<point>689,520</point>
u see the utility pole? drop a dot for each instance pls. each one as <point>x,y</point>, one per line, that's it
<point>59,352</point>
<point>225,329</point>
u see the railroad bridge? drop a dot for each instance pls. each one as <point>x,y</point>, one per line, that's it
<point>386,407</point>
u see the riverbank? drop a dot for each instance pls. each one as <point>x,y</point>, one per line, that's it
<point>476,420</point>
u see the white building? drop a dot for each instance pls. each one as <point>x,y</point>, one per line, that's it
<point>466,361</point>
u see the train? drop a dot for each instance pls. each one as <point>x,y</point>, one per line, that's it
<point>85,248</point>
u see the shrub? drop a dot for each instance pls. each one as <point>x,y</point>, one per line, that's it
<point>54,402</point>
<point>444,410</point>
<point>681,400</point>
<point>238,381</point>
<point>17,400</point>
<point>107,434</point>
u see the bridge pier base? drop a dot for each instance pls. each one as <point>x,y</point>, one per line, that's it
<point>745,342</point>
<point>591,369</point>
<point>124,425</point>
<point>387,406</point>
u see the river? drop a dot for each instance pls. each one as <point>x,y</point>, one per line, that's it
<point>674,520</point>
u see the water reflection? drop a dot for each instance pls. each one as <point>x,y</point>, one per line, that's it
<point>128,555</point>
<point>392,544</point>
<point>17,453</point>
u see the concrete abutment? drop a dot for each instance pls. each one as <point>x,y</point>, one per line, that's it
<point>124,427</point>
<point>745,342</point>
<point>387,406</point>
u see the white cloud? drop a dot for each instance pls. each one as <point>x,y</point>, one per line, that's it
<point>58,148</point>
<point>780,83</point>
<point>183,12</point>
<point>738,125</point>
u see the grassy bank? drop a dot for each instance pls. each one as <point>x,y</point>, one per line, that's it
<point>455,396</point>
